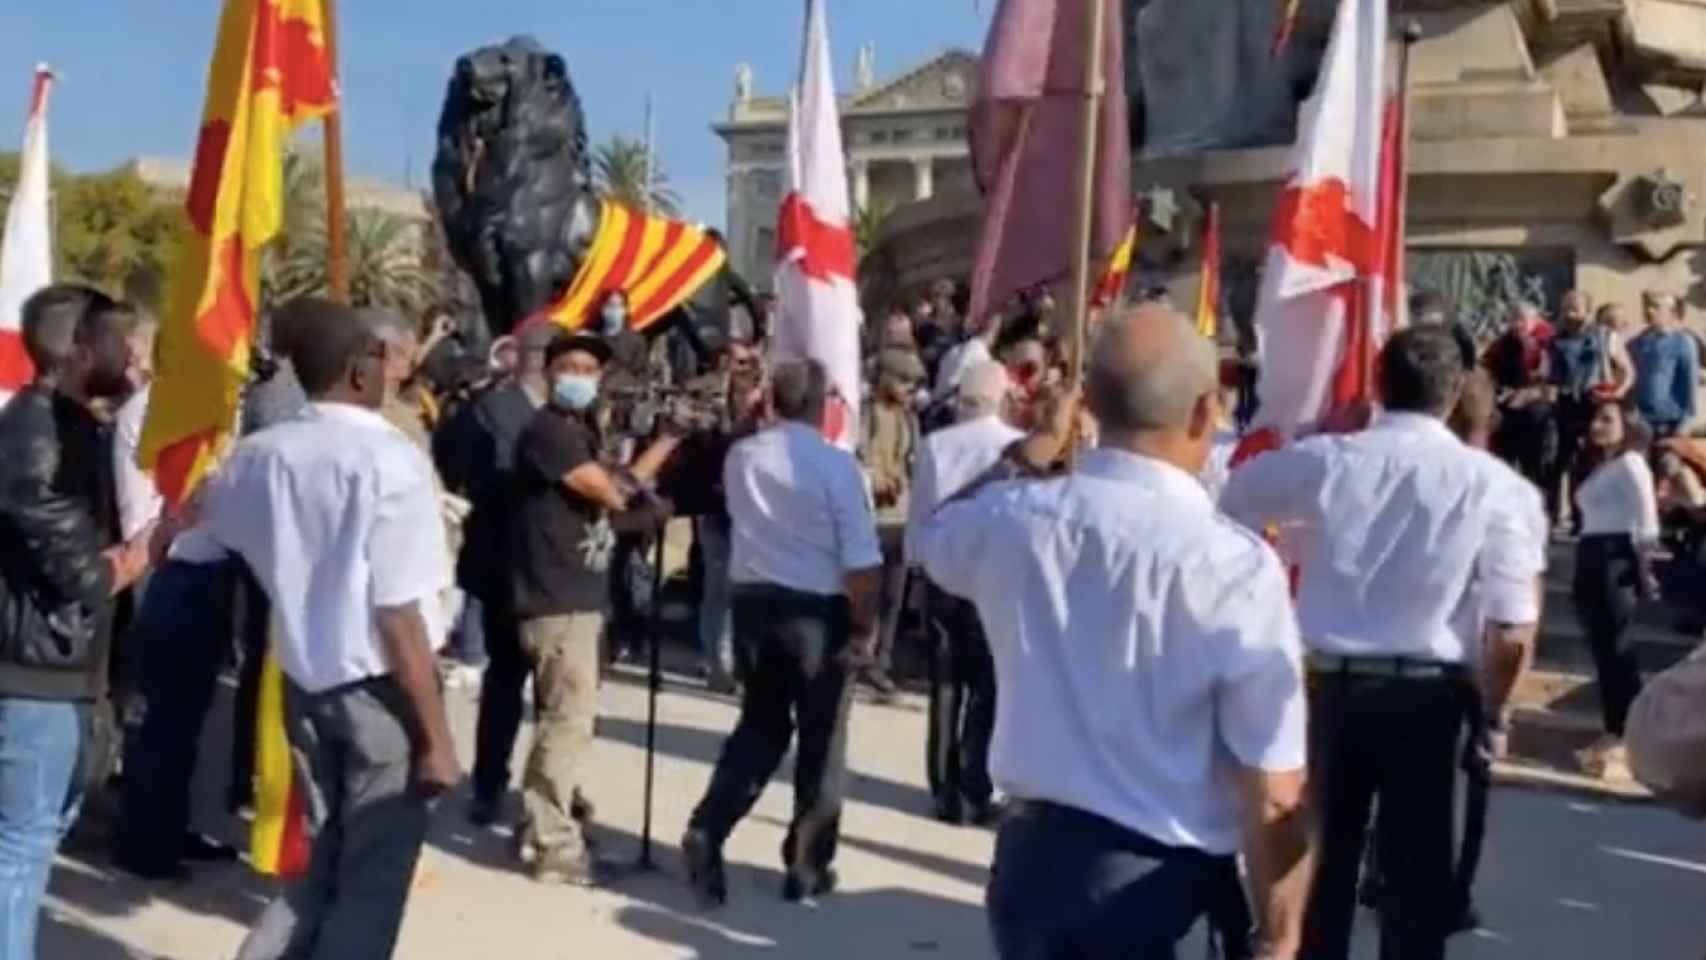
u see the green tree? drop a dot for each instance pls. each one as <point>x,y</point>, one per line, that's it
<point>619,173</point>
<point>111,230</point>
<point>868,225</point>
<point>383,251</point>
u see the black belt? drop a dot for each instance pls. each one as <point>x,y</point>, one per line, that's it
<point>1073,818</point>
<point>789,597</point>
<point>1330,664</point>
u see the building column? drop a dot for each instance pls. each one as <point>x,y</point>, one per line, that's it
<point>859,171</point>
<point>923,178</point>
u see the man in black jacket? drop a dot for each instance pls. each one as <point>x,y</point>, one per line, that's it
<point>475,453</point>
<point>56,593</point>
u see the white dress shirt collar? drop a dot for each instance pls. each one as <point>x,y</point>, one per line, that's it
<point>1124,466</point>
<point>1407,422</point>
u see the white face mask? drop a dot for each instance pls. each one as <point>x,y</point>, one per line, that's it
<point>615,317</point>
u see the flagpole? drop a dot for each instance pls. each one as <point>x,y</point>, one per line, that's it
<point>1412,36</point>
<point>337,257</point>
<point>1095,17</point>
<point>651,164</point>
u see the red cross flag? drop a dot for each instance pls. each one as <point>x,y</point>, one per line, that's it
<point>1329,295</point>
<point>814,239</point>
<point>26,250</point>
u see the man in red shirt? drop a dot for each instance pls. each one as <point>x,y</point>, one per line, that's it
<point>1518,362</point>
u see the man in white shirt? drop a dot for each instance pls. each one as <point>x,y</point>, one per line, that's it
<point>335,514</point>
<point>962,674</point>
<point>1407,541</point>
<point>1151,717</point>
<point>806,568</point>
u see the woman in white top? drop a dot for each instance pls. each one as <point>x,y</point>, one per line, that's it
<point>1620,526</point>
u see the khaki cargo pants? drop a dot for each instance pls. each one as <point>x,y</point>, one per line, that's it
<point>565,655</point>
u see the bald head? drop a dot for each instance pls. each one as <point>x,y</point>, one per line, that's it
<point>1149,370</point>
<point>982,390</point>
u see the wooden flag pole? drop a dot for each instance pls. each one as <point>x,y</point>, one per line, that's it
<point>1095,17</point>
<point>337,256</point>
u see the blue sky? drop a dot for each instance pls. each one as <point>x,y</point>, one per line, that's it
<point>135,70</point>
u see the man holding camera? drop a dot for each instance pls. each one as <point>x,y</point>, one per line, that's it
<point>562,540</point>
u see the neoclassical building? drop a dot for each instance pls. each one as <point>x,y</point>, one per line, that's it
<point>905,138</point>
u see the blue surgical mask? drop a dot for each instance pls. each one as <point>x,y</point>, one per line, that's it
<point>615,318</point>
<point>574,392</point>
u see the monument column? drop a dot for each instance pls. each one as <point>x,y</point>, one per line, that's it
<point>923,178</point>
<point>859,171</point>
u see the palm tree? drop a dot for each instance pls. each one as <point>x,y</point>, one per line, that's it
<point>384,261</point>
<point>619,173</point>
<point>867,225</point>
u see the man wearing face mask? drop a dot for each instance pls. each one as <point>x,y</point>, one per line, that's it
<point>56,597</point>
<point>561,546</point>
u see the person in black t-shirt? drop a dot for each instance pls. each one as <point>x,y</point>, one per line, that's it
<point>561,541</point>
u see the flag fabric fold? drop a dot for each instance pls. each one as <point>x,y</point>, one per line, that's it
<point>657,263</point>
<point>815,256</point>
<point>26,252</point>
<point>270,74</point>
<point>1118,271</point>
<point>1208,281</point>
<point>1329,294</point>
<point>1024,132</point>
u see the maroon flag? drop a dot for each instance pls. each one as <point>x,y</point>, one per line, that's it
<point>1024,145</point>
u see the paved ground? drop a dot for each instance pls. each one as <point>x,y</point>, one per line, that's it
<point>1565,879</point>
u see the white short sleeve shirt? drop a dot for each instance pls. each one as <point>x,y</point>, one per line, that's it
<point>1144,644</point>
<point>335,512</point>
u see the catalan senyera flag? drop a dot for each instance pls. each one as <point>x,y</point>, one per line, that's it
<point>1208,283</point>
<point>270,74</point>
<point>1288,10</point>
<point>1112,282</point>
<point>656,262</point>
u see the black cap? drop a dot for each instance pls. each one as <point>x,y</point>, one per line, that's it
<point>567,342</point>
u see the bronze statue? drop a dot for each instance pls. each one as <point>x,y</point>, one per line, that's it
<point>512,181</point>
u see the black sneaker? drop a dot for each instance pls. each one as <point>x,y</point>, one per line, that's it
<point>1465,919</point>
<point>200,848</point>
<point>950,812</point>
<point>813,883</point>
<point>988,813</point>
<point>484,811</point>
<point>705,868</point>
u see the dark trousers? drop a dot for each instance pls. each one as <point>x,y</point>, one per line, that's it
<point>1572,418</point>
<point>893,596</point>
<point>793,644</point>
<point>1605,600</point>
<point>183,630</point>
<point>962,703</point>
<point>352,751</point>
<point>1069,885</point>
<point>1477,794</point>
<point>1527,439</point>
<point>1393,739</point>
<point>499,723</point>
<point>252,637</point>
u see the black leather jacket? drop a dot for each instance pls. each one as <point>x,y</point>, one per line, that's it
<point>55,586</point>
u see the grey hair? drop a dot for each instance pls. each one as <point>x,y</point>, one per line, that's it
<point>983,387</point>
<point>799,389</point>
<point>1155,387</point>
<point>383,321</point>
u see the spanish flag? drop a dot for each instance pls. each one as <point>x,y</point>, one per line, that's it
<point>269,75</point>
<point>1112,282</point>
<point>655,262</point>
<point>1208,284</point>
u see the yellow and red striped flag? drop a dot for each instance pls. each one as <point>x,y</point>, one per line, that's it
<point>270,74</point>
<point>656,262</point>
<point>1208,284</point>
<point>1286,27</point>
<point>1112,282</point>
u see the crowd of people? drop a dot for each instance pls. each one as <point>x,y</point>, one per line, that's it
<point>1150,669</point>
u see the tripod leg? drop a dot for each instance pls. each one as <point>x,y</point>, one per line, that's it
<point>654,683</point>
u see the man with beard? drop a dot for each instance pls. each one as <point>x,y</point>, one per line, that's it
<point>56,495</point>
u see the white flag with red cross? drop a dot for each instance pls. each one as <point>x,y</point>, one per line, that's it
<point>1330,287</point>
<point>815,259</point>
<point>26,251</point>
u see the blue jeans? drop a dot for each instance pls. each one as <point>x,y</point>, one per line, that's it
<point>468,643</point>
<point>716,616</point>
<point>41,744</point>
<point>184,630</point>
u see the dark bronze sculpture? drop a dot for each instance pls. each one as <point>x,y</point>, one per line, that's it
<point>512,181</point>
<point>513,178</point>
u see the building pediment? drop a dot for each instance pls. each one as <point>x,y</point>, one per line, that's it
<point>944,83</point>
